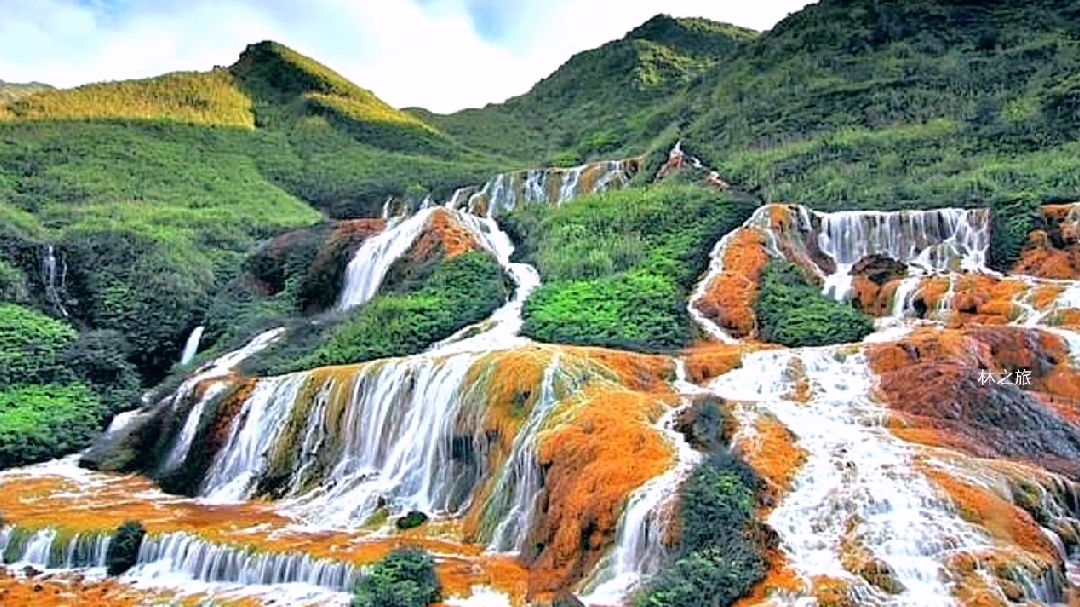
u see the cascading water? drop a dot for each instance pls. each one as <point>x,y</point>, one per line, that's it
<point>183,555</point>
<point>192,345</point>
<point>513,502</point>
<point>502,328</point>
<point>639,549</point>
<point>716,268</point>
<point>54,275</point>
<point>368,267</point>
<point>858,489</point>
<point>48,549</point>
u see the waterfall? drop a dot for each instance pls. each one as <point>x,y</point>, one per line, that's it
<point>503,326</point>
<point>174,555</point>
<point>48,549</point>
<point>192,345</point>
<point>513,503</point>
<point>368,267</point>
<point>858,488</point>
<point>701,289</point>
<point>930,241</point>
<point>639,550</point>
<point>54,275</point>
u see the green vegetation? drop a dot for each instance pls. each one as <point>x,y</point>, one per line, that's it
<point>617,267</point>
<point>123,550</point>
<point>455,294</point>
<point>10,91</point>
<point>405,578</point>
<point>43,422</point>
<point>792,312</point>
<point>721,552</point>
<point>908,105</point>
<point>56,386</point>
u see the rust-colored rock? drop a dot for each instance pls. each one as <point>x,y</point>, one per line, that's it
<point>1054,250</point>
<point>593,462</point>
<point>443,238</point>
<point>932,379</point>
<point>729,298</point>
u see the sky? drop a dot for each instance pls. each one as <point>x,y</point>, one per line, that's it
<point>443,55</point>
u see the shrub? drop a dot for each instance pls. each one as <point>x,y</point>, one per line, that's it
<point>123,550</point>
<point>405,578</point>
<point>32,347</point>
<point>43,422</point>
<point>460,292</point>
<point>792,312</point>
<point>720,556</point>
<point>618,266</point>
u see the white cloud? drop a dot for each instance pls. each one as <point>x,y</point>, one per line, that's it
<point>409,52</point>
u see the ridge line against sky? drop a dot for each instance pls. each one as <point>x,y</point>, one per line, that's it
<point>443,55</point>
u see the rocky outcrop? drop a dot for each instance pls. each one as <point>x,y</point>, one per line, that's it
<point>937,383</point>
<point>729,298</point>
<point>679,162</point>
<point>874,281</point>
<point>1053,251</point>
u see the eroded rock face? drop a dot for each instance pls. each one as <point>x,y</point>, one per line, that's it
<point>1054,250</point>
<point>874,280</point>
<point>729,298</point>
<point>934,380</point>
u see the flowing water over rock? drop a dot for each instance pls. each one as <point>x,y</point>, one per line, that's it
<point>191,346</point>
<point>639,550</point>
<point>858,492</point>
<point>54,276</point>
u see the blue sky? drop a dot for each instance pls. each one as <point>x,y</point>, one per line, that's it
<point>440,54</point>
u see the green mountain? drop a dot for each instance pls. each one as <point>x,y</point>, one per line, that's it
<point>604,102</point>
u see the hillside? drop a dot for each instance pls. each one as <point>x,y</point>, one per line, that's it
<point>706,318</point>
<point>606,101</point>
<point>10,91</point>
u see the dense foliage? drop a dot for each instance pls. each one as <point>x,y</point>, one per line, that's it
<point>455,294</point>
<point>720,556</point>
<point>792,312</point>
<point>604,102</point>
<point>617,267</point>
<point>43,422</point>
<point>56,386</point>
<point>123,550</point>
<point>405,578</point>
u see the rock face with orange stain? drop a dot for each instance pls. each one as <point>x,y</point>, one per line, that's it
<point>932,379</point>
<point>729,298</point>
<point>874,280</point>
<point>1053,251</point>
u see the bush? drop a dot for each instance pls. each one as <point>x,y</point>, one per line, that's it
<point>405,578</point>
<point>618,266</point>
<point>43,422</point>
<point>32,347</point>
<point>459,292</point>
<point>792,312</point>
<point>123,550</point>
<point>720,557</point>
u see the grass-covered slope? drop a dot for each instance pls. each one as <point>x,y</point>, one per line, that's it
<point>603,102</point>
<point>10,91</point>
<point>618,267</point>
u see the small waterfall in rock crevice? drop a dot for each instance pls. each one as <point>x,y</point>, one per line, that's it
<point>48,549</point>
<point>368,267</point>
<point>858,489</point>
<point>54,276</point>
<point>639,550</point>
<point>192,345</point>
<point>701,289</point>
<point>517,488</point>
<point>204,376</point>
